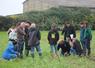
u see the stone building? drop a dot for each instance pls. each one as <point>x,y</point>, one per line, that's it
<point>41,5</point>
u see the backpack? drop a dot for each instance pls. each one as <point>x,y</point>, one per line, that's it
<point>33,38</point>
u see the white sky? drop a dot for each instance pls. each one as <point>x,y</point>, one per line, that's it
<point>8,7</point>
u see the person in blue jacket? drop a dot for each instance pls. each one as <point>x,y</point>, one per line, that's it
<point>10,52</point>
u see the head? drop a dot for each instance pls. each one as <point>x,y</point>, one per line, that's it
<point>61,41</point>
<point>18,24</point>
<point>81,25</point>
<point>53,27</point>
<point>67,23</point>
<point>33,25</point>
<point>85,23</point>
<point>22,24</point>
<point>27,24</point>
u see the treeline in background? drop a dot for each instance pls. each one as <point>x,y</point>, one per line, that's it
<point>44,19</point>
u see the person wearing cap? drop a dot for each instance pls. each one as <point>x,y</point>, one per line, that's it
<point>53,37</point>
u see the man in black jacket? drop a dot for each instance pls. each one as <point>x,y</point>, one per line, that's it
<point>53,37</point>
<point>68,30</point>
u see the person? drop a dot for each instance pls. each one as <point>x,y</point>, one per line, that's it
<point>26,37</point>
<point>68,30</point>
<point>64,46</point>
<point>20,38</point>
<point>12,34</point>
<point>53,37</point>
<point>76,46</point>
<point>82,30</point>
<point>10,52</point>
<point>10,30</point>
<point>87,39</point>
<point>34,40</point>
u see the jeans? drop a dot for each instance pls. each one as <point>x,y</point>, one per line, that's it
<point>53,48</point>
<point>87,45</point>
<point>39,50</point>
<point>10,56</point>
<point>72,51</point>
<point>20,46</point>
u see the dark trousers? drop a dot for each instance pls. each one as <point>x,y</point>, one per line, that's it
<point>27,47</point>
<point>20,46</point>
<point>86,47</point>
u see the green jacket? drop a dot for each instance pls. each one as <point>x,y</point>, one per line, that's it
<point>87,34</point>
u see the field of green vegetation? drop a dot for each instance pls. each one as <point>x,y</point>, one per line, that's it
<point>46,61</point>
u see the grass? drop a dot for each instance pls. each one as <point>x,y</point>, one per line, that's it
<point>47,61</point>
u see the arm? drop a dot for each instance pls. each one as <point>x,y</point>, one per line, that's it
<point>11,49</point>
<point>74,31</point>
<point>39,35</point>
<point>57,36</point>
<point>58,47</point>
<point>63,31</point>
<point>48,36</point>
<point>90,33</point>
<point>20,31</point>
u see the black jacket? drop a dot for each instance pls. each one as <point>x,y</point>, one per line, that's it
<point>37,35</point>
<point>77,47</point>
<point>64,46</point>
<point>53,37</point>
<point>67,31</point>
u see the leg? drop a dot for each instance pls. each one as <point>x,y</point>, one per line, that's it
<point>20,48</point>
<point>52,48</point>
<point>32,51</point>
<point>53,51</point>
<point>88,47</point>
<point>39,50</point>
<point>26,47</point>
<point>84,47</point>
<point>13,56</point>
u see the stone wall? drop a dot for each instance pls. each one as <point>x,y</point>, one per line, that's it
<point>40,5</point>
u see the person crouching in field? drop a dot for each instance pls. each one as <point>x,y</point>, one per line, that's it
<point>10,52</point>
<point>76,46</point>
<point>87,37</point>
<point>64,46</point>
<point>34,40</point>
<point>53,37</point>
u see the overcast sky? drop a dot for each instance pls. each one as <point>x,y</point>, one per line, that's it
<point>8,7</point>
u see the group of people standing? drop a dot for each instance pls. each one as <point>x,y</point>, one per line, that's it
<point>26,33</point>
<point>70,44</point>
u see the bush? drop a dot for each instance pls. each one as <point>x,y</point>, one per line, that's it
<point>44,19</point>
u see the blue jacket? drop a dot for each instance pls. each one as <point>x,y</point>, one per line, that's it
<point>9,53</point>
